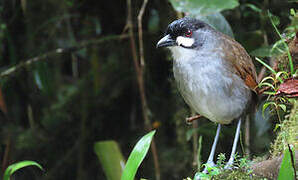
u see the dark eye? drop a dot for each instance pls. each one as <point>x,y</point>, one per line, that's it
<point>188,33</point>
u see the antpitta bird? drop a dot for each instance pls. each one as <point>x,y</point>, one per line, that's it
<point>213,72</point>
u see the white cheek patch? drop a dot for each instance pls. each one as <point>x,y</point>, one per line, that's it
<point>185,41</point>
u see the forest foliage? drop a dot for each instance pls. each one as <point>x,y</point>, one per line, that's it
<point>75,73</point>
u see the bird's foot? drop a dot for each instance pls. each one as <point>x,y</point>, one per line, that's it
<point>229,164</point>
<point>208,166</point>
<point>189,120</point>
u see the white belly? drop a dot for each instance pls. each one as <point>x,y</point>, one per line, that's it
<point>211,91</point>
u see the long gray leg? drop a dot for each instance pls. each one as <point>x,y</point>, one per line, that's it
<point>231,160</point>
<point>211,156</point>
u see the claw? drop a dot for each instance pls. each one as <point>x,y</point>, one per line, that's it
<point>208,165</point>
<point>229,165</point>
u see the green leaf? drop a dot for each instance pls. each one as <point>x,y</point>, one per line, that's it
<point>274,19</point>
<point>253,7</point>
<point>214,171</point>
<point>264,51</point>
<point>43,76</point>
<point>276,127</point>
<point>153,21</point>
<point>273,22</point>
<point>267,84</point>
<point>278,48</point>
<point>280,73</point>
<point>268,67</point>
<point>269,51</point>
<point>267,78</point>
<point>286,170</point>
<point>111,158</point>
<point>199,153</point>
<point>136,156</point>
<point>16,166</point>
<point>283,107</point>
<point>269,92</point>
<point>190,132</point>
<point>218,22</point>
<point>292,12</point>
<point>203,7</point>
<point>266,105</point>
<point>202,176</point>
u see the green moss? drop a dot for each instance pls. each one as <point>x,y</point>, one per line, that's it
<point>238,174</point>
<point>288,131</point>
<point>241,170</point>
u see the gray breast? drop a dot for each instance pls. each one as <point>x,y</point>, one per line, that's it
<point>211,91</point>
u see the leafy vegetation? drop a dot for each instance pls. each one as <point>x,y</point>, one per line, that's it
<point>241,170</point>
<point>68,81</point>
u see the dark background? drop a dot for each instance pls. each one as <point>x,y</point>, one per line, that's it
<point>58,107</point>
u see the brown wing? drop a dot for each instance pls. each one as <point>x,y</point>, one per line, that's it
<point>240,62</point>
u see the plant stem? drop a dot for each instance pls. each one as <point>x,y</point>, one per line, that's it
<point>284,43</point>
<point>139,68</point>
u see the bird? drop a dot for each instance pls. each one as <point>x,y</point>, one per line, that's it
<point>214,74</point>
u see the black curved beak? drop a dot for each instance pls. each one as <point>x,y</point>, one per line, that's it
<point>166,42</point>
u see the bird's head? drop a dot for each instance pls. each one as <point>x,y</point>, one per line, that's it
<point>187,32</point>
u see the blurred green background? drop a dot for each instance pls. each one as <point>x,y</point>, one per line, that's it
<point>55,109</point>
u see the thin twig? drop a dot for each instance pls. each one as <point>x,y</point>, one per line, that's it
<point>146,109</point>
<point>131,37</point>
<point>139,67</point>
<point>261,74</point>
<point>140,31</point>
<point>46,56</point>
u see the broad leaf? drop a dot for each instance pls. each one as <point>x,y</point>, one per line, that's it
<point>43,76</point>
<point>208,11</point>
<point>264,51</point>
<point>136,156</point>
<point>203,7</point>
<point>219,22</point>
<point>111,159</point>
<point>286,170</point>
